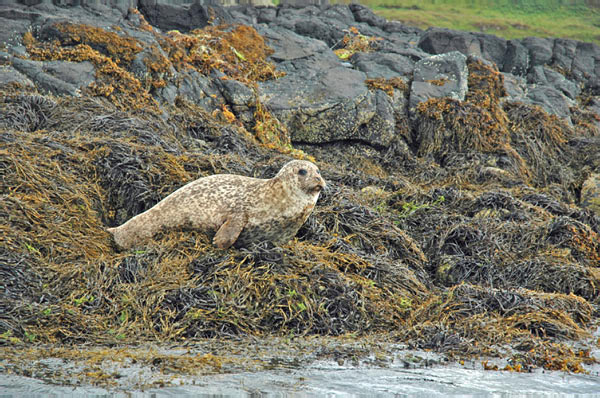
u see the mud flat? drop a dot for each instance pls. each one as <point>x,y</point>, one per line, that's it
<point>280,367</point>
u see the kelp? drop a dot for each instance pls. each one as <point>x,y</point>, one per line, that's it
<point>465,238</point>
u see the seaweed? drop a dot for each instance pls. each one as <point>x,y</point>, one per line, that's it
<point>482,251</point>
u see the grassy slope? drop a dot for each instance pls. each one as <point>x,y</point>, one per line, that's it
<point>510,19</point>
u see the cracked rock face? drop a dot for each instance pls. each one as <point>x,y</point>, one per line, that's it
<point>322,98</point>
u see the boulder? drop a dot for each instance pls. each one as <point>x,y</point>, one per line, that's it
<point>543,75</point>
<point>516,58</point>
<point>383,65</point>
<point>328,105</point>
<point>182,17</point>
<point>331,32</point>
<point>540,50</point>
<point>586,62</point>
<point>551,100</point>
<point>441,41</point>
<point>364,14</point>
<point>303,3</point>
<point>339,12</point>
<point>399,27</point>
<point>288,47</point>
<point>266,15</point>
<point>79,74</point>
<point>563,53</point>
<point>515,87</point>
<point>196,88</point>
<point>14,24</point>
<point>9,75</point>
<point>45,81</point>
<point>287,16</point>
<point>443,75</point>
<point>319,100</point>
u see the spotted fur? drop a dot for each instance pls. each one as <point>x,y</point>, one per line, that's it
<point>238,210</point>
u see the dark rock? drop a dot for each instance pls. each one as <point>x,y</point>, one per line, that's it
<point>385,65</point>
<point>199,89</point>
<point>303,3</point>
<point>79,74</point>
<point>167,94</point>
<point>593,105</point>
<point>288,16</point>
<point>560,82</point>
<point>540,50</point>
<point>9,75</point>
<point>34,70</point>
<point>328,25</point>
<point>443,75</point>
<point>586,63</point>
<point>289,46</point>
<point>516,58</point>
<point>325,105</point>
<point>331,32</point>
<point>440,41</point>
<point>235,92</point>
<point>13,28</point>
<point>493,48</point>
<point>340,13</point>
<point>242,18</point>
<point>399,27</point>
<point>543,75</point>
<point>184,17</point>
<point>266,15</point>
<point>515,87</point>
<point>379,130</point>
<point>563,53</point>
<point>551,100</point>
<point>537,75</point>
<point>364,14</point>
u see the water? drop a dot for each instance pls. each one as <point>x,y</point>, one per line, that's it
<point>327,380</point>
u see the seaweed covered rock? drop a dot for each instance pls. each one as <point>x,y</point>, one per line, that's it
<point>439,76</point>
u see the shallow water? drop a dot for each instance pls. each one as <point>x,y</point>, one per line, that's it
<point>328,381</point>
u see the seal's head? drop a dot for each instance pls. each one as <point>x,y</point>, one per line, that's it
<point>305,176</point>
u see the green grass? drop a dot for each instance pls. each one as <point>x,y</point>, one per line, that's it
<point>573,19</point>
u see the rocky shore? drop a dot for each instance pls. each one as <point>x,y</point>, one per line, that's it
<point>462,214</point>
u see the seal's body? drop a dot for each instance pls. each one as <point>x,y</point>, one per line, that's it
<point>239,210</point>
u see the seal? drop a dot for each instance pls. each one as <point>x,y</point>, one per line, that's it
<point>239,210</point>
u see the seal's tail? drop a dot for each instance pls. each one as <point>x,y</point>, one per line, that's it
<point>116,235</point>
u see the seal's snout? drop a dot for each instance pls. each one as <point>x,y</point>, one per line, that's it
<point>319,185</point>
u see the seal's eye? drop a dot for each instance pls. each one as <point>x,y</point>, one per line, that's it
<point>302,172</point>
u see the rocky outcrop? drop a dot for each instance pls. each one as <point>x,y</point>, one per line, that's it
<point>334,65</point>
<point>555,70</point>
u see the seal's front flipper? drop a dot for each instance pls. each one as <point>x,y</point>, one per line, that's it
<point>229,231</point>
